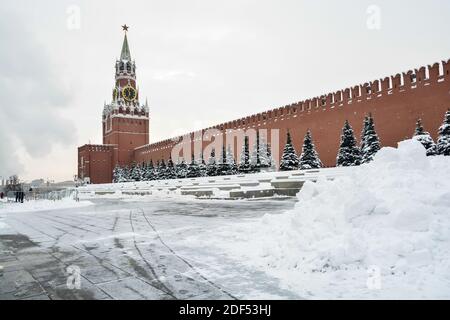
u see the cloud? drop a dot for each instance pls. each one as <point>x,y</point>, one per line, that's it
<point>32,98</point>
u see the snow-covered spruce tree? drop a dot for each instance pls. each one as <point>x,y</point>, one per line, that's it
<point>193,170</point>
<point>211,166</point>
<point>255,157</point>
<point>272,166</point>
<point>363,134</point>
<point>143,169</point>
<point>140,171</point>
<point>170,173</point>
<point>309,159</point>
<point>264,155</point>
<point>371,142</point>
<point>443,142</point>
<point>157,171</point>
<point>242,155</point>
<point>245,165</point>
<point>349,153</point>
<point>149,174</point>
<point>202,166</point>
<point>162,170</point>
<point>135,172</point>
<point>182,169</point>
<point>116,173</point>
<point>233,169</point>
<point>126,174</point>
<point>223,167</point>
<point>120,174</point>
<point>289,159</point>
<point>424,138</point>
<point>131,171</point>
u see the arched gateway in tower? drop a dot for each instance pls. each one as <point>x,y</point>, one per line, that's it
<point>125,125</point>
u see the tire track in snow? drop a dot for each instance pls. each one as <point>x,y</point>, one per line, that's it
<point>184,260</point>
<point>161,286</point>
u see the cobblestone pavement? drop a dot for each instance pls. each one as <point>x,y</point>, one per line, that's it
<point>128,250</point>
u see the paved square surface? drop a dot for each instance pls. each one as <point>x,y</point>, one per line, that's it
<point>128,250</point>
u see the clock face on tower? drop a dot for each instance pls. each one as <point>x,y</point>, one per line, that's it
<point>129,93</point>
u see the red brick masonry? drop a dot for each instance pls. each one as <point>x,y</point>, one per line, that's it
<point>395,103</point>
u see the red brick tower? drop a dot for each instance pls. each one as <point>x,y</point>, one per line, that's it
<point>125,120</point>
<point>125,125</point>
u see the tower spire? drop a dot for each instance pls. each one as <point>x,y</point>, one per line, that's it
<point>125,54</point>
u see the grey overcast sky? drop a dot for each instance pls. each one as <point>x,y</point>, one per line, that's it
<point>200,62</point>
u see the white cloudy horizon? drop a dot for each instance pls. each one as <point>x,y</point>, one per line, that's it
<point>205,61</point>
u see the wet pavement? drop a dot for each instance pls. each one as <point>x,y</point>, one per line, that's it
<point>130,250</point>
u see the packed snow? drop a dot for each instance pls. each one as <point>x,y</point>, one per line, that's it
<point>41,205</point>
<point>381,231</point>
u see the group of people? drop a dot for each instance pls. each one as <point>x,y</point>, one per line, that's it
<point>16,192</point>
<point>19,196</point>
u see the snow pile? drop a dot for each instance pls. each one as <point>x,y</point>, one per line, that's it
<point>382,231</point>
<point>42,205</point>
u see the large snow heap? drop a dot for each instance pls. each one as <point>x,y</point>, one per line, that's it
<point>390,216</point>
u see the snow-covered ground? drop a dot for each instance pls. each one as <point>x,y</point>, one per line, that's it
<point>382,231</point>
<point>41,205</point>
<point>129,249</point>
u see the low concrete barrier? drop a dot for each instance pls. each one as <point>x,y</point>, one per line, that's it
<point>102,193</point>
<point>288,184</point>
<point>249,184</point>
<point>197,193</point>
<point>137,192</point>
<point>286,192</point>
<point>282,177</point>
<point>248,194</point>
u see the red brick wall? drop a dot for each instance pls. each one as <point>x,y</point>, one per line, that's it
<point>395,103</point>
<point>96,164</point>
<point>127,134</point>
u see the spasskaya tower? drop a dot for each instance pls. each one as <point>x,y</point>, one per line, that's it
<point>125,124</point>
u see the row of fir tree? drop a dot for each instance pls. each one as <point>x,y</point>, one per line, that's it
<point>260,159</point>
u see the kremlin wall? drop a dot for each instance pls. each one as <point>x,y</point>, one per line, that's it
<point>395,102</point>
